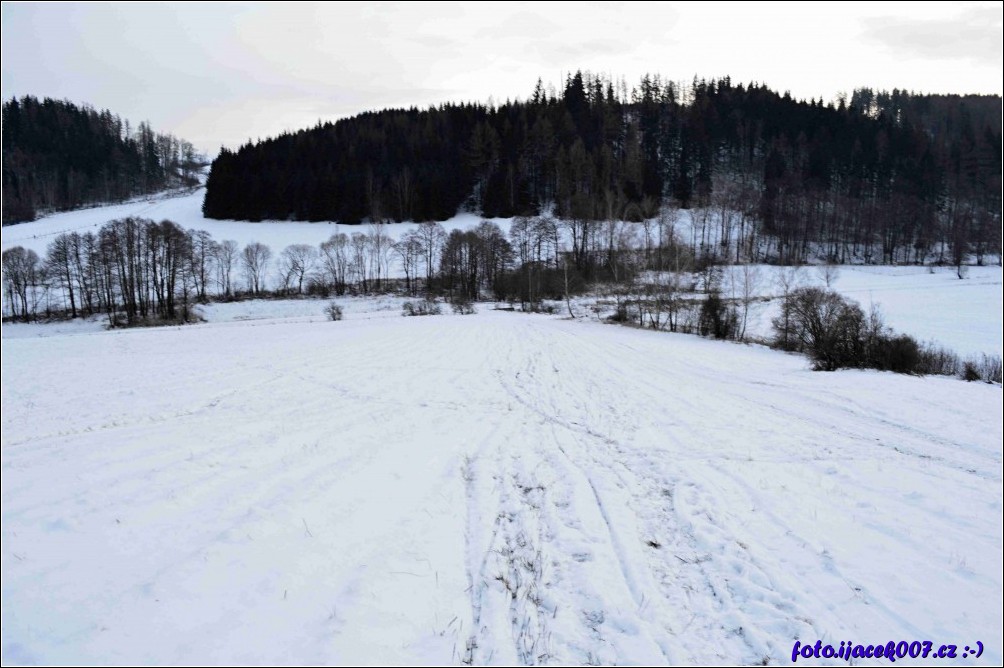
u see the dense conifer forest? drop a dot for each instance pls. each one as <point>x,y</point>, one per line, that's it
<point>882,177</point>
<point>59,156</point>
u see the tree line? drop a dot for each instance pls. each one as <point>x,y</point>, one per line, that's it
<point>137,271</point>
<point>880,177</point>
<point>59,156</point>
<point>141,272</point>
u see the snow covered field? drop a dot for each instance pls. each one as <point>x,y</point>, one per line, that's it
<point>497,488</point>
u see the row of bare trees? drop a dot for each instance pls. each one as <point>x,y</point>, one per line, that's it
<point>133,270</point>
<point>137,271</point>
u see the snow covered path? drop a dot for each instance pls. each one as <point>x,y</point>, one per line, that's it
<point>497,488</point>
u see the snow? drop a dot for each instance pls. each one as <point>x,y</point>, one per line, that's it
<point>293,310</point>
<point>186,210</point>
<point>273,487</point>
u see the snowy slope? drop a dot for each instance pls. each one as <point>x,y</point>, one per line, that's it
<point>187,211</point>
<point>496,488</point>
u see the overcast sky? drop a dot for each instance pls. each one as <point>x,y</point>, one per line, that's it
<point>219,74</point>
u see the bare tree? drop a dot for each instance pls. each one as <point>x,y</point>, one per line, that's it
<point>380,247</point>
<point>521,236</point>
<point>828,273</point>
<point>255,259</point>
<point>668,245</point>
<point>226,255</point>
<point>745,283</point>
<point>296,262</point>
<point>20,275</point>
<point>433,236</point>
<point>622,240</point>
<point>82,260</point>
<point>833,330</point>
<point>580,230</point>
<point>724,202</point>
<point>496,255</point>
<point>788,279</point>
<point>409,251</point>
<point>568,299</point>
<point>403,189</point>
<point>335,261</point>
<point>358,260</point>
<point>170,244</point>
<point>546,237</point>
<point>960,245</point>
<point>59,261</point>
<point>202,257</point>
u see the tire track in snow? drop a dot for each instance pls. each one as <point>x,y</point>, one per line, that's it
<point>635,478</point>
<point>530,382</point>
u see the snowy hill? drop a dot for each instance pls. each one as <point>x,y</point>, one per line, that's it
<point>186,210</point>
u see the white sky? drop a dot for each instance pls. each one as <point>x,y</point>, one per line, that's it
<point>219,74</point>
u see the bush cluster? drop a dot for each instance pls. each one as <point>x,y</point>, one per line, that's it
<point>424,307</point>
<point>837,334</point>
<point>462,306</point>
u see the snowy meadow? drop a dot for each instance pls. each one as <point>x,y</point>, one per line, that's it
<point>269,486</point>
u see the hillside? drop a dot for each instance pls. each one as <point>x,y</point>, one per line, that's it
<point>58,156</point>
<point>891,175</point>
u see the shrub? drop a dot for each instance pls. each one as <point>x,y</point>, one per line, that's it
<point>424,307</point>
<point>334,311</point>
<point>318,288</point>
<point>824,324</point>
<point>621,314</point>
<point>717,317</point>
<point>900,354</point>
<point>991,368</point>
<point>938,361</point>
<point>539,306</point>
<point>463,307</point>
<point>836,334</point>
